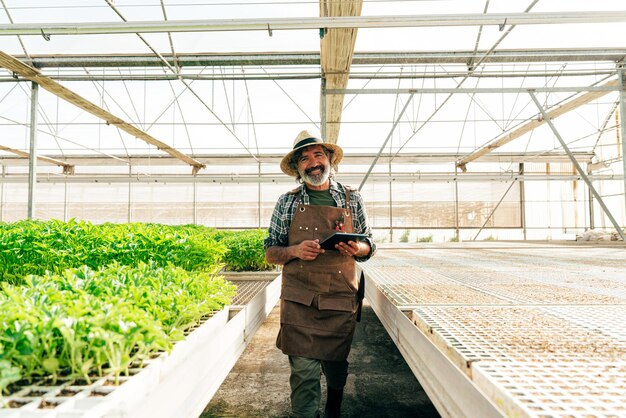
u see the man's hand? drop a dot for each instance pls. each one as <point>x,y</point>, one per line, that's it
<point>352,248</point>
<point>306,250</point>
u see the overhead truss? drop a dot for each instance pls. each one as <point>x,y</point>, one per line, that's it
<point>528,126</point>
<point>13,64</point>
<point>301,23</point>
<point>202,59</point>
<point>353,158</point>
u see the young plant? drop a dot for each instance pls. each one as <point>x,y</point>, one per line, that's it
<point>85,323</point>
<point>8,374</point>
<point>245,250</point>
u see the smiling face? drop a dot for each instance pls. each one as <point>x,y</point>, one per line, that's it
<point>314,167</point>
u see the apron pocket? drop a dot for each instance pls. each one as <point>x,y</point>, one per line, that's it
<point>298,295</point>
<point>344,282</point>
<point>337,303</point>
<point>320,282</point>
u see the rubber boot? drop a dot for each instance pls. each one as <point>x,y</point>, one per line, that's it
<point>333,403</point>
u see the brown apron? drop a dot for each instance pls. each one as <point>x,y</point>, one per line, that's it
<point>319,297</point>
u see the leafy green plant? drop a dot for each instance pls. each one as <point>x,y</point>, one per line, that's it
<point>35,247</point>
<point>428,238</point>
<point>8,375</point>
<point>86,323</point>
<point>405,236</point>
<point>245,250</point>
<point>83,300</point>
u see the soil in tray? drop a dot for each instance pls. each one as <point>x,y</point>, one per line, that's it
<point>17,386</point>
<point>45,404</point>
<point>111,382</point>
<point>437,294</point>
<point>83,382</point>
<point>69,392</point>
<point>53,382</point>
<point>16,404</point>
<point>95,394</point>
<point>35,393</point>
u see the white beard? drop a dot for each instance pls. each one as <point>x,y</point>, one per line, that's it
<point>316,179</point>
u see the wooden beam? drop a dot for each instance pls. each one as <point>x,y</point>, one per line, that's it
<point>336,52</point>
<point>534,123</point>
<point>19,68</point>
<point>67,168</point>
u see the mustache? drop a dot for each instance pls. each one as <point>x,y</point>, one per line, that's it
<point>317,167</point>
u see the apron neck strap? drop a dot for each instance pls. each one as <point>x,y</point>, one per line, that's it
<point>304,196</point>
<point>346,189</point>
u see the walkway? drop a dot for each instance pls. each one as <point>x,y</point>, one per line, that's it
<point>380,383</point>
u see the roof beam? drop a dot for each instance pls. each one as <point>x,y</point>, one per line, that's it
<point>202,59</point>
<point>301,23</point>
<point>67,168</point>
<point>528,126</point>
<point>16,66</point>
<point>605,89</point>
<point>351,158</point>
<point>336,51</point>
<point>276,178</point>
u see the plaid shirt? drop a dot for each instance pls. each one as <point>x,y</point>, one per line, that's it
<point>286,208</point>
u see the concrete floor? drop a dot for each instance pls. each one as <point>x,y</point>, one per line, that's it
<point>380,383</point>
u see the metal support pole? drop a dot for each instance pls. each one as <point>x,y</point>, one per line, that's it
<point>323,108</point>
<point>592,213</point>
<point>592,222</point>
<point>622,124</point>
<point>494,210</point>
<point>549,202</point>
<point>390,205</point>
<point>195,203</point>
<point>259,196</point>
<point>522,198</point>
<point>32,158</point>
<point>580,170</point>
<point>130,194</point>
<point>65,202</point>
<point>457,233</point>
<point>2,203</point>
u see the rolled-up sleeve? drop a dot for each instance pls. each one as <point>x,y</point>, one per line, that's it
<point>278,231</point>
<point>361,224</point>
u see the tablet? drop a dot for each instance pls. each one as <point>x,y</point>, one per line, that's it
<point>337,237</point>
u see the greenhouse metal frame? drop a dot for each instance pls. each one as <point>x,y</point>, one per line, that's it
<point>420,95</point>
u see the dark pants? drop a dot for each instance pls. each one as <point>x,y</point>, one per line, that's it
<point>305,382</point>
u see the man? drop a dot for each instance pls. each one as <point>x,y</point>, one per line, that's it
<point>321,294</point>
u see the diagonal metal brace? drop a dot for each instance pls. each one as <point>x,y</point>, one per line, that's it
<point>493,211</point>
<point>580,170</point>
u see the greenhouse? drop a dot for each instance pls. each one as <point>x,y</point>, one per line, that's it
<point>143,146</point>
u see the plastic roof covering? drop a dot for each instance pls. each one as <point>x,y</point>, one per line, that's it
<point>260,109</point>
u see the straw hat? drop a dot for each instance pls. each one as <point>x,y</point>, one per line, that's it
<point>306,139</point>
